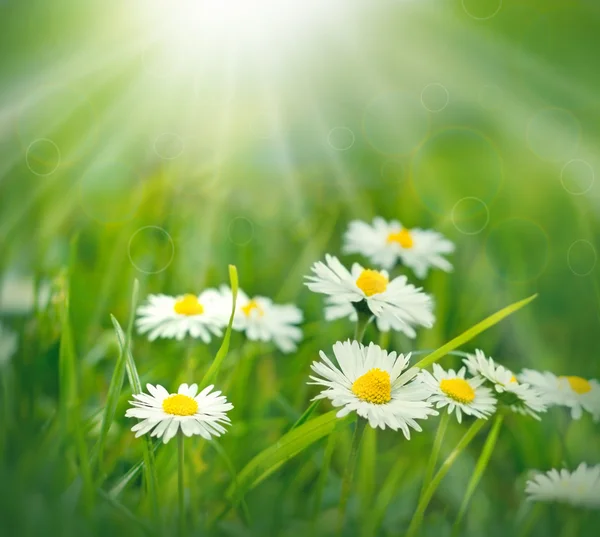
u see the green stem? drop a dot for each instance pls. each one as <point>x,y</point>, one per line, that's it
<point>435,451</point>
<point>480,467</point>
<point>180,483</point>
<point>384,339</point>
<point>349,472</point>
<point>361,325</point>
<point>417,518</point>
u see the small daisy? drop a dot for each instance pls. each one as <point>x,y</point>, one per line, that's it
<point>8,344</point>
<point>576,393</point>
<point>580,488</point>
<point>174,317</point>
<point>519,397</point>
<point>452,389</point>
<point>386,243</point>
<point>164,413</point>
<point>396,304</point>
<point>261,320</point>
<point>376,385</point>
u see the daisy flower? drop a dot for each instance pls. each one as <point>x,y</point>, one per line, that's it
<point>262,320</point>
<point>8,344</point>
<point>375,384</point>
<point>396,304</point>
<point>519,397</point>
<point>387,243</point>
<point>580,488</point>
<point>164,413</point>
<point>176,316</point>
<point>576,393</point>
<point>452,389</point>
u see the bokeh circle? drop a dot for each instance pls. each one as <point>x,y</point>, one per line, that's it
<point>43,157</point>
<point>241,231</point>
<point>341,138</point>
<point>435,97</point>
<point>582,257</point>
<point>168,145</point>
<point>482,9</point>
<point>151,250</point>
<point>470,215</point>
<point>553,134</point>
<point>577,177</point>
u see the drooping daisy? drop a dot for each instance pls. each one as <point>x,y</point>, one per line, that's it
<point>262,320</point>
<point>377,385</point>
<point>580,488</point>
<point>387,243</point>
<point>576,393</point>
<point>8,344</point>
<point>519,397</point>
<point>195,413</point>
<point>396,304</point>
<point>176,316</point>
<point>460,394</point>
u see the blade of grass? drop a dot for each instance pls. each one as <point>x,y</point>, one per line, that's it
<point>435,451</point>
<point>307,414</point>
<point>469,334</point>
<point>213,370</point>
<point>116,382</point>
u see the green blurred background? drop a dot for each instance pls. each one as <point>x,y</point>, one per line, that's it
<point>130,149</point>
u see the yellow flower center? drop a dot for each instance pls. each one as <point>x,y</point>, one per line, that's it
<point>371,282</point>
<point>188,305</point>
<point>180,405</point>
<point>373,387</point>
<point>458,389</point>
<point>402,238</point>
<point>579,385</point>
<point>513,379</point>
<point>252,306</point>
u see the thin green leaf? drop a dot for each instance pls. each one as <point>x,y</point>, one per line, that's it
<point>213,370</point>
<point>473,331</point>
<point>307,414</point>
<point>126,513</point>
<point>116,382</point>
<point>288,446</point>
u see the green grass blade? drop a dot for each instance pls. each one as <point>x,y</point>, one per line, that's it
<point>116,382</point>
<point>435,450</point>
<point>288,446</point>
<point>307,414</point>
<point>473,331</point>
<point>148,452</point>
<point>213,370</point>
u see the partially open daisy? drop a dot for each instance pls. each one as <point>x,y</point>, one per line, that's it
<point>460,394</point>
<point>8,344</point>
<point>580,488</point>
<point>262,320</point>
<point>176,316</point>
<point>396,304</point>
<point>576,393</point>
<point>194,413</point>
<point>387,243</point>
<point>519,397</point>
<point>377,385</point>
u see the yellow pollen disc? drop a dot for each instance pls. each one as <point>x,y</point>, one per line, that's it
<point>188,305</point>
<point>373,387</point>
<point>513,379</point>
<point>253,305</point>
<point>458,389</point>
<point>180,405</point>
<point>579,385</point>
<point>402,238</point>
<point>371,282</point>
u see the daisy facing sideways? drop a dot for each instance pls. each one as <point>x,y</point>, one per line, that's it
<point>203,413</point>
<point>576,393</point>
<point>262,320</point>
<point>460,394</point>
<point>166,316</point>
<point>395,304</point>
<point>519,397</point>
<point>386,244</point>
<point>377,385</point>
<point>580,488</point>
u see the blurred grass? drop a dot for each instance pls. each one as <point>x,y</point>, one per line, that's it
<point>271,196</point>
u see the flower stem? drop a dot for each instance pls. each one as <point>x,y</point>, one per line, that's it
<point>180,484</point>
<point>349,472</point>
<point>361,325</point>
<point>417,518</point>
<point>435,451</point>
<point>480,467</point>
